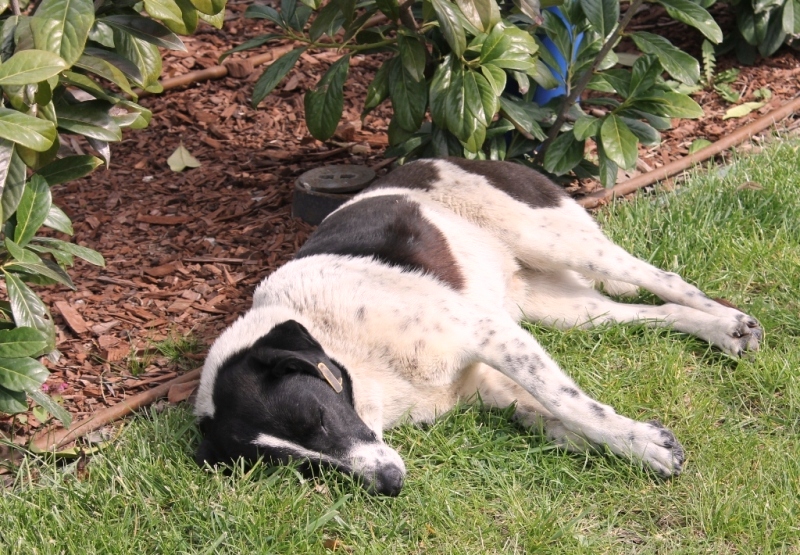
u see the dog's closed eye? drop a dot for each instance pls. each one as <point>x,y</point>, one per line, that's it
<point>322,420</point>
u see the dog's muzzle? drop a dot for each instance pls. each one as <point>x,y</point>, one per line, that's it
<point>379,467</point>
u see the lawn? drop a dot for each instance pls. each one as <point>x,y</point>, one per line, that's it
<point>477,483</point>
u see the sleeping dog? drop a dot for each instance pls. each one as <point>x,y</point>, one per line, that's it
<point>407,300</point>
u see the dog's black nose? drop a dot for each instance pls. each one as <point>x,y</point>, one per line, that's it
<point>389,481</point>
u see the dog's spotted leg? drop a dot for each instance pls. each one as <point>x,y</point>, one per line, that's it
<point>561,299</point>
<point>567,238</point>
<point>509,349</point>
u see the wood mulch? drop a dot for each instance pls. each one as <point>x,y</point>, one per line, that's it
<point>184,251</point>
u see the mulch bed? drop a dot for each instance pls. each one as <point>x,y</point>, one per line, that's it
<point>184,251</point>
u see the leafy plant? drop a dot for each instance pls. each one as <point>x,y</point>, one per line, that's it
<point>67,72</point>
<point>762,26</point>
<point>461,75</point>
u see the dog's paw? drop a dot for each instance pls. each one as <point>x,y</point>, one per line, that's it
<point>656,447</point>
<point>739,335</point>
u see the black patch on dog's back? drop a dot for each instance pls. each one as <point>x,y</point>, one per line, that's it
<point>390,229</point>
<point>517,181</point>
<point>420,175</point>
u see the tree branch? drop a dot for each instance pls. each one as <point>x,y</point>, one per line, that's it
<point>577,90</point>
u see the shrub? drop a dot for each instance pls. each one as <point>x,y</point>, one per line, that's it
<point>762,26</point>
<point>472,67</point>
<point>67,69</point>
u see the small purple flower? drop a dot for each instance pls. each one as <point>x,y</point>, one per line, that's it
<point>62,387</point>
<point>45,388</point>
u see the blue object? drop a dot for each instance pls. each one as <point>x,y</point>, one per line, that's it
<point>542,96</point>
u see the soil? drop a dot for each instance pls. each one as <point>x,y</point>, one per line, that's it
<point>184,251</point>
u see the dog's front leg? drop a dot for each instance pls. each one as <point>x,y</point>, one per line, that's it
<point>509,349</point>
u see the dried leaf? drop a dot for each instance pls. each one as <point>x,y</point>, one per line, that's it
<point>182,159</point>
<point>742,110</point>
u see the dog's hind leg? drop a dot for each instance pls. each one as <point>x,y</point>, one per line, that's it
<point>561,299</point>
<point>567,238</point>
<point>503,345</point>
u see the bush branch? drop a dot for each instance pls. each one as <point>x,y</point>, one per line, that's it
<point>577,90</point>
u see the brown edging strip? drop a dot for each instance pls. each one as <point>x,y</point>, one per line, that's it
<point>739,136</point>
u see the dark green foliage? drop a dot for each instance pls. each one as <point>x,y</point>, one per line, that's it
<point>44,58</point>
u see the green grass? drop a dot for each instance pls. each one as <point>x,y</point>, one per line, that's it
<point>476,482</point>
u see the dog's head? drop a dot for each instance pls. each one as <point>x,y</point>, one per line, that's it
<point>284,399</point>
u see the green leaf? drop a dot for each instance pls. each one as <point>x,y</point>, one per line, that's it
<point>30,66</point>
<point>328,21</point>
<point>32,210</point>
<point>496,77</point>
<point>645,71</point>
<point>412,54</point>
<point>22,374</point>
<point>742,110</point>
<point>274,74</point>
<point>694,15</point>
<point>409,98</point>
<point>607,168</point>
<point>62,27</point>
<point>182,159</point>
<point>69,168</point>
<point>602,14</point>
<point>677,105</point>
<point>525,117</point>
<point>563,154</point>
<point>451,27</point>
<point>324,103</point>
<point>209,7</point>
<point>543,75</point>
<point>21,342</point>
<point>143,54</point>
<point>178,15</point>
<point>90,119</point>
<point>646,134</point>
<point>12,179</point>
<point>699,144</point>
<point>774,36</point>
<point>619,143</point>
<point>483,14</point>
<point>12,402</point>
<point>440,83</point>
<point>28,309</point>
<point>21,254</point>
<point>58,220</point>
<point>51,406</point>
<point>217,21</point>
<point>378,89</point>
<point>145,29</point>
<point>258,11</point>
<point>109,71</point>
<point>31,132</point>
<point>585,127</point>
<point>46,269</point>
<point>677,63</point>
<point>89,255</point>
<point>509,48</point>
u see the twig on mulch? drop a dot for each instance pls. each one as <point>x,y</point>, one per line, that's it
<point>55,437</point>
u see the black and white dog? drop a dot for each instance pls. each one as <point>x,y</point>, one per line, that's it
<point>408,300</point>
